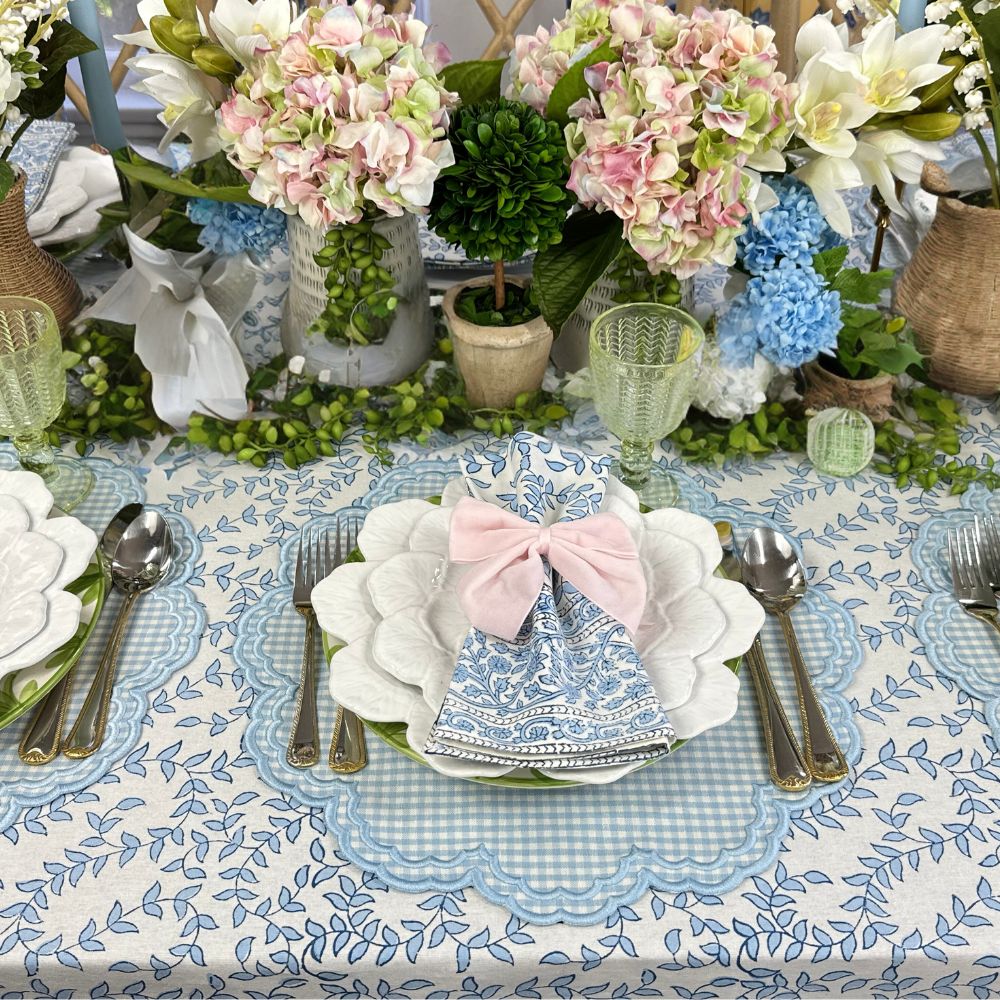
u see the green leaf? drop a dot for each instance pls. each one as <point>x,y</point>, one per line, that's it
<point>474,81</point>
<point>65,43</point>
<point>573,86</point>
<point>564,273</point>
<point>829,262</point>
<point>138,168</point>
<point>861,286</point>
<point>7,178</point>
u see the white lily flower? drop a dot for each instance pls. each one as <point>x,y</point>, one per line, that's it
<point>819,35</point>
<point>828,107</point>
<point>884,155</point>
<point>826,177</point>
<point>188,105</point>
<point>246,30</point>
<point>893,68</point>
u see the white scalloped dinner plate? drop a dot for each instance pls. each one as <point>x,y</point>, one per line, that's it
<point>397,628</point>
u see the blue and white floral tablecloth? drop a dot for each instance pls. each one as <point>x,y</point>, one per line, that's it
<point>181,873</point>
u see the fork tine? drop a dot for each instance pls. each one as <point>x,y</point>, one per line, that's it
<point>338,557</point>
<point>974,563</point>
<point>352,537</point>
<point>991,539</point>
<point>300,558</point>
<point>956,575</point>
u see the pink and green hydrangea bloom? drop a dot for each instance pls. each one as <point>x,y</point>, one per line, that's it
<point>346,114</point>
<point>665,139</point>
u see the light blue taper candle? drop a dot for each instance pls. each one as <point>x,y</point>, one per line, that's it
<point>101,98</point>
<point>911,14</point>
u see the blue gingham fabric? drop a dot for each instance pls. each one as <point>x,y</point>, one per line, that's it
<point>164,634</point>
<point>703,820</point>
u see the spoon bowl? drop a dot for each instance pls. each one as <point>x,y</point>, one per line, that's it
<point>143,554</point>
<point>114,531</point>
<point>772,569</point>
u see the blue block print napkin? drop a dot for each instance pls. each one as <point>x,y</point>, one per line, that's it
<point>570,691</point>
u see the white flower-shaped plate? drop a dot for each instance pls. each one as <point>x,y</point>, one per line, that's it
<point>39,559</point>
<point>396,627</point>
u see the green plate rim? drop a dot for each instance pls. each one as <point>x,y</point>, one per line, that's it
<point>393,734</point>
<point>90,583</point>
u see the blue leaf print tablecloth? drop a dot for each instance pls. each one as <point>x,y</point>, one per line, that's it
<point>180,871</point>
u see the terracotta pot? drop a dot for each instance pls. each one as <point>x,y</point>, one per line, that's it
<point>872,396</point>
<point>28,270</point>
<point>950,292</point>
<point>498,363</point>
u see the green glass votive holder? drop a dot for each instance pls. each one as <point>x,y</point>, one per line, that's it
<point>840,442</point>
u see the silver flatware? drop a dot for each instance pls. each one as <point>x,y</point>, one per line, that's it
<point>969,577</point>
<point>315,562</point>
<point>348,751</point>
<point>43,739</point>
<point>987,539</point>
<point>141,559</point>
<point>784,755</point>
<point>774,575</point>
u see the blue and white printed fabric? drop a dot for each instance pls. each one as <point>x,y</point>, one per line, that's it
<point>570,691</point>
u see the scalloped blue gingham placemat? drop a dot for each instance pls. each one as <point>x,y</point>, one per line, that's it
<point>957,645</point>
<point>704,819</point>
<point>164,635</point>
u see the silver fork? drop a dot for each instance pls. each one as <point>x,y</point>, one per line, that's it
<point>988,543</point>
<point>348,753</point>
<point>969,578</point>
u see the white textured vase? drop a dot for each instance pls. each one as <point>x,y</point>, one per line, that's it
<point>411,336</point>
<point>571,350</point>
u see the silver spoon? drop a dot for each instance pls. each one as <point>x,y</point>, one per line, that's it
<point>774,575</point>
<point>41,742</point>
<point>140,561</point>
<point>784,755</point>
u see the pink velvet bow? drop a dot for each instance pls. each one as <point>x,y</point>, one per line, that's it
<point>596,554</point>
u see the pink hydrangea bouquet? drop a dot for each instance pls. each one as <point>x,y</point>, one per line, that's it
<point>346,113</point>
<point>674,119</point>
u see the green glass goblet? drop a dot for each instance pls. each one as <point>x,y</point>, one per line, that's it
<point>643,361</point>
<point>32,392</point>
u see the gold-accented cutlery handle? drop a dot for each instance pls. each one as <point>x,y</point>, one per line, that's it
<point>42,740</point>
<point>88,731</point>
<point>348,753</point>
<point>784,756</point>
<point>303,746</point>
<point>822,754</point>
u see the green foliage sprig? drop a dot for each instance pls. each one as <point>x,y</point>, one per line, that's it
<point>110,390</point>
<point>870,342</point>
<point>360,293</point>
<point>308,420</point>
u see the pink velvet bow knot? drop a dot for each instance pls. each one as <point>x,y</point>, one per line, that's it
<point>596,554</point>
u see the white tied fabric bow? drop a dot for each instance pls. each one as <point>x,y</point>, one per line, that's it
<point>184,314</point>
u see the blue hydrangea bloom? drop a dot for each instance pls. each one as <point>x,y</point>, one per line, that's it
<point>230,228</point>
<point>787,314</point>
<point>794,230</point>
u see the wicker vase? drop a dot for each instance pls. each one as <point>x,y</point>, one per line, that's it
<point>950,292</point>
<point>571,350</point>
<point>411,336</point>
<point>28,270</point>
<point>872,396</point>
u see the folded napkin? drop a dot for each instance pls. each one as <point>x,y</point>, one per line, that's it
<point>548,675</point>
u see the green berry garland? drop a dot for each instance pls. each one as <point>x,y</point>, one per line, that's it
<point>635,284</point>
<point>361,293</point>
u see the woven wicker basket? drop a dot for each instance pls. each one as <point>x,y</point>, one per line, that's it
<point>411,337</point>
<point>28,270</point>
<point>872,396</point>
<point>950,292</point>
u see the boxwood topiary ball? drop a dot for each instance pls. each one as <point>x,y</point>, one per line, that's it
<point>506,193</point>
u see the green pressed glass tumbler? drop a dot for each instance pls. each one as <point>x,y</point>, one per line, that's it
<point>32,392</point>
<point>643,361</point>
